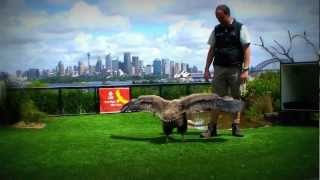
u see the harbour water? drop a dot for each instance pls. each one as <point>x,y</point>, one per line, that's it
<point>92,83</point>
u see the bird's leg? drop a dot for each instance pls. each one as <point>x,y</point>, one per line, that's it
<point>182,135</point>
<point>167,138</point>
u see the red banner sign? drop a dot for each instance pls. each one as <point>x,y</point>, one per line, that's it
<point>112,99</point>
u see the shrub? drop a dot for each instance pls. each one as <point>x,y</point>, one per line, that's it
<point>263,95</point>
<point>30,113</point>
<point>266,84</point>
<point>257,106</point>
<point>77,101</point>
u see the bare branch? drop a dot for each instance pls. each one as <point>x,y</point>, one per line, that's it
<point>261,41</point>
<point>290,41</point>
<point>276,50</point>
<point>266,49</point>
<point>281,47</point>
<point>305,37</point>
<point>286,54</point>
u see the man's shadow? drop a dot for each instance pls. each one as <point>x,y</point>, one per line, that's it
<point>162,139</point>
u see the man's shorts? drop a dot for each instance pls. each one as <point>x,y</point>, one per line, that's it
<point>226,81</point>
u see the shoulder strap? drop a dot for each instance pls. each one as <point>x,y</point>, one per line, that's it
<point>237,25</point>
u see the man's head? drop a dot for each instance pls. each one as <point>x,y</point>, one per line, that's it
<point>223,14</point>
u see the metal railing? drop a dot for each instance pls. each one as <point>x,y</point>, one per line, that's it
<point>59,105</point>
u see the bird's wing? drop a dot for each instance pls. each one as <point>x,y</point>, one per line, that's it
<point>150,103</point>
<point>208,102</point>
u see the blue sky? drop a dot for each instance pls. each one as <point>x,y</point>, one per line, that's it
<point>38,34</point>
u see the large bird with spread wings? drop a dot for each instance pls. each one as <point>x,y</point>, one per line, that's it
<point>173,113</point>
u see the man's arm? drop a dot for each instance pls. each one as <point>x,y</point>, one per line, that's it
<point>246,62</point>
<point>247,55</point>
<point>210,57</point>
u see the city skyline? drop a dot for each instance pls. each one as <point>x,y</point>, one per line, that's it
<point>111,67</point>
<point>38,34</point>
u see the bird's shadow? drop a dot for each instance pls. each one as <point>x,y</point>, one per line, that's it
<point>162,139</point>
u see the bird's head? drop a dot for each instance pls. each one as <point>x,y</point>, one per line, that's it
<point>132,106</point>
<point>171,113</point>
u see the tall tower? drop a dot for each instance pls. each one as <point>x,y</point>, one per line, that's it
<point>60,69</point>
<point>108,62</point>
<point>127,63</point>
<point>89,68</point>
<point>99,65</point>
<point>157,67</point>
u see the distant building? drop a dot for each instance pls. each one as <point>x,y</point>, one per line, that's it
<point>135,65</point>
<point>99,65</point>
<point>188,68</point>
<point>32,74</point>
<point>122,67</point>
<point>108,62</point>
<point>44,73</point>
<point>184,67</point>
<point>194,69</point>
<point>60,69</point>
<point>69,71</point>
<point>115,65</point>
<point>89,66</point>
<point>127,63</point>
<point>148,69</point>
<point>172,69</point>
<point>157,67</point>
<point>82,68</point>
<point>177,68</point>
<point>165,67</point>
<point>18,73</point>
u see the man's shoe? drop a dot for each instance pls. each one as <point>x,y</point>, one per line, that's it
<point>236,130</point>
<point>211,132</point>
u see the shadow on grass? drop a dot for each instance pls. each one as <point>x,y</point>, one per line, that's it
<point>162,139</point>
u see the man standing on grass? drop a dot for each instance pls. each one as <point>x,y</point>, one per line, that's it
<point>230,54</point>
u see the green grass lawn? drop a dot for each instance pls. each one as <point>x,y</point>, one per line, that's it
<point>131,146</point>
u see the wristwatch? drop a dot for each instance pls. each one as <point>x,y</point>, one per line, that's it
<point>245,69</point>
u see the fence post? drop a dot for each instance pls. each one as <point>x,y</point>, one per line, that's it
<point>97,99</point>
<point>188,89</point>
<point>60,102</point>
<point>160,90</point>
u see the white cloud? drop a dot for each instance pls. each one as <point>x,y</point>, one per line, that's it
<point>189,33</point>
<point>39,39</point>
<point>252,8</point>
<point>83,15</point>
<point>135,7</point>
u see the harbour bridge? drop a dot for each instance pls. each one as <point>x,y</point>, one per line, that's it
<point>269,64</point>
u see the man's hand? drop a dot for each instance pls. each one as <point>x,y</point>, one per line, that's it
<point>244,76</point>
<point>207,75</point>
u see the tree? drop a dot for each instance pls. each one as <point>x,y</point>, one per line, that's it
<point>280,50</point>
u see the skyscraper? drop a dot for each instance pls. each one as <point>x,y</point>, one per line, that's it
<point>99,65</point>
<point>108,62</point>
<point>135,65</point>
<point>60,69</point>
<point>165,66</point>
<point>148,69</point>
<point>194,69</point>
<point>89,67</point>
<point>177,68</point>
<point>140,68</point>
<point>82,68</point>
<point>171,69</point>
<point>32,74</point>
<point>184,67</point>
<point>127,63</point>
<point>68,71</point>
<point>115,65</point>
<point>157,67</point>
